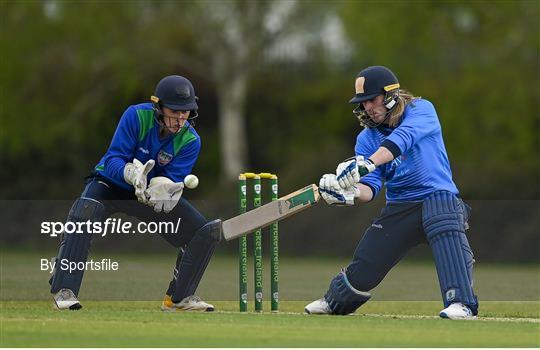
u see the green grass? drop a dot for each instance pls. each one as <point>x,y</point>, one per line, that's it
<point>145,277</point>
<point>140,324</point>
<point>121,309</point>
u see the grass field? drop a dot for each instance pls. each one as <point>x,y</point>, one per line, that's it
<point>122,308</point>
<point>137,324</point>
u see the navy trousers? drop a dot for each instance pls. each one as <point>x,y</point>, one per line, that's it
<point>102,199</point>
<point>385,243</point>
<point>118,200</point>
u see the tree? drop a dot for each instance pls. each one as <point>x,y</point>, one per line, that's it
<point>233,39</point>
<point>477,61</point>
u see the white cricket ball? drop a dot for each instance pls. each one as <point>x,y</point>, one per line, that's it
<point>191,181</point>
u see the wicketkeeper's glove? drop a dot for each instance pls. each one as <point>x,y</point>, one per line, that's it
<point>136,174</point>
<point>349,172</point>
<point>163,193</point>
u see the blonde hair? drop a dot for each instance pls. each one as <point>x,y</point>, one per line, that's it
<point>404,99</point>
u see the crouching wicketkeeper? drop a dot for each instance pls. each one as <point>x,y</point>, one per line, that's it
<point>154,147</point>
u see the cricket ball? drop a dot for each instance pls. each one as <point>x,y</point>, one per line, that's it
<point>191,181</point>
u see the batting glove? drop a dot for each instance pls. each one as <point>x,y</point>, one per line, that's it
<point>136,174</point>
<point>163,194</point>
<point>333,194</point>
<point>349,172</point>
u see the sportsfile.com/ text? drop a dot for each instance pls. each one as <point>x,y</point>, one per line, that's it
<point>110,225</point>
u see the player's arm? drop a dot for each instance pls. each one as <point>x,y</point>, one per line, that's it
<point>421,122</point>
<point>350,171</point>
<point>123,144</point>
<point>119,162</point>
<point>364,193</point>
<point>414,128</point>
<point>381,156</point>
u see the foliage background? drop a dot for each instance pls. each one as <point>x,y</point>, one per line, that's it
<point>70,68</point>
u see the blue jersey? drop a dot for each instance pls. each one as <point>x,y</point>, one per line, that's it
<point>421,164</point>
<point>137,136</point>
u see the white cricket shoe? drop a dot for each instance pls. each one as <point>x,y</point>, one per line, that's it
<point>457,311</point>
<point>318,307</point>
<point>65,299</point>
<point>191,303</point>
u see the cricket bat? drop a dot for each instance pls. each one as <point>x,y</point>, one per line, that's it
<point>271,212</point>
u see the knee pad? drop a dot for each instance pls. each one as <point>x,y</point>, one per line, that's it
<point>210,232</point>
<point>443,212</point>
<point>342,297</point>
<point>195,259</point>
<point>75,246</point>
<point>444,219</point>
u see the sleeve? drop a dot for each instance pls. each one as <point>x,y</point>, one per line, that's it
<point>419,121</point>
<point>183,163</point>
<point>366,147</point>
<point>123,144</point>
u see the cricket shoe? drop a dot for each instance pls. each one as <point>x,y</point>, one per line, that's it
<point>457,311</point>
<point>318,307</point>
<point>191,303</point>
<point>65,299</point>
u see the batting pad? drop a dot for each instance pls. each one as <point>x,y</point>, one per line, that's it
<point>197,255</point>
<point>342,297</point>
<point>76,246</point>
<point>172,284</point>
<point>443,216</point>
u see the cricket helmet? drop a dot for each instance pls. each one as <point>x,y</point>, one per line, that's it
<point>175,92</point>
<point>370,83</point>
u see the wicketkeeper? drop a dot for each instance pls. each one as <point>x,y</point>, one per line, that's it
<point>154,147</point>
<point>401,146</point>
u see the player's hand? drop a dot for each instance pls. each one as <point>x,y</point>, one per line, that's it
<point>163,194</point>
<point>349,172</point>
<point>333,194</point>
<point>136,174</point>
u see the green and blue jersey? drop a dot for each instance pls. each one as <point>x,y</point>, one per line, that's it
<point>137,136</point>
<point>420,166</point>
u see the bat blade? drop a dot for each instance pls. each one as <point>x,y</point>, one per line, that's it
<point>271,212</point>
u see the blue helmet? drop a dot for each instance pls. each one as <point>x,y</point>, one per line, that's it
<point>370,83</point>
<point>175,92</point>
<point>374,81</point>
